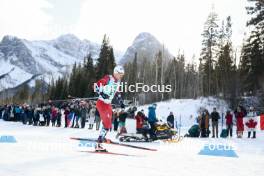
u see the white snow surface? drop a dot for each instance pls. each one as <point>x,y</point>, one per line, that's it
<point>42,151</point>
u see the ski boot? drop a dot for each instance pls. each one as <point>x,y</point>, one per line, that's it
<point>99,148</point>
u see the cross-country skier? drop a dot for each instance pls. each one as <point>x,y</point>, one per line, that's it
<point>107,87</point>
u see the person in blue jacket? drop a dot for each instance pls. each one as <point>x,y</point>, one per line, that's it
<point>152,119</point>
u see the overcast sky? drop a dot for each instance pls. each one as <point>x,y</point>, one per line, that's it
<point>176,23</point>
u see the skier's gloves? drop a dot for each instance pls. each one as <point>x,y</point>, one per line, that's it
<point>122,105</point>
<point>97,89</point>
<point>120,100</point>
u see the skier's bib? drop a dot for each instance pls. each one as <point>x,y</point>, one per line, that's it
<point>110,89</point>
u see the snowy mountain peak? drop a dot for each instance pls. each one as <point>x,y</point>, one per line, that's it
<point>68,38</point>
<point>14,51</point>
<point>8,38</point>
<point>51,58</point>
<point>11,40</point>
<point>21,59</point>
<point>145,45</point>
<point>144,36</point>
<point>73,46</point>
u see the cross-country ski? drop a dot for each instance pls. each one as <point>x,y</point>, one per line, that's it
<point>108,141</point>
<point>109,153</point>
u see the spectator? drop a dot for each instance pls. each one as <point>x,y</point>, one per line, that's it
<point>41,117</point>
<point>77,114</point>
<point>115,120</point>
<point>36,116</point>
<point>92,117</point>
<point>83,113</point>
<point>229,123</point>
<point>215,117</point>
<point>97,119</point>
<point>54,115</point>
<point>170,120</point>
<point>30,115</point>
<point>66,116</point>
<point>122,122</point>
<point>239,122</point>
<point>58,117</point>
<point>152,119</point>
<point>251,122</point>
<point>140,119</point>
<point>47,115</point>
<point>204,123</point>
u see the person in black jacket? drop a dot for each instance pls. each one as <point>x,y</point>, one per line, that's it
<point>37,112</point>
<point>59,118</point>
<point>26,115</point>
<point>215,117</point>
<point>1,111</point>
<point>170,120</point>
<point>115,120</point>
<point>97,119</point>
<point>122,116</point>
<point>84,109</point>
<point>30,115</point>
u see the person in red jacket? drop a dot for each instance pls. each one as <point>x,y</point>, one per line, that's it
<point>239,122</point>
<point>229,123</point>
<point>140,118</point>
<point>141,121</point>
<point>54,114</point>
<point>107,87</point>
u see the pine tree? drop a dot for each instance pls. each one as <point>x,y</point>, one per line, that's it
<point>38,92</point>
<point>106,60</point>
<point>87,77</point>
<point>65,88</point>
<point>135,70</point>
<point>208,53</point>
<point>23,94</point>
<point>51,90</point>
<point>72,81</point>
<point>225,65</point>
<point>252,57</point>
<point>251,66</point>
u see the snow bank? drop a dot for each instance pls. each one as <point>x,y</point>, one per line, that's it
<point>186,110</point>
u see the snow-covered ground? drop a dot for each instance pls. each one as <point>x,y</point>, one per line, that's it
<point>42,151</point>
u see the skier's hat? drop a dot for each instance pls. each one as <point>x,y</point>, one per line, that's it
<point>119,69</point>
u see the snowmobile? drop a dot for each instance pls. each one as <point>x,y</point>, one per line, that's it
<point>161,131</point>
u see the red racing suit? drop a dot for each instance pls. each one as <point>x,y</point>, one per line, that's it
<point>106,87</point>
